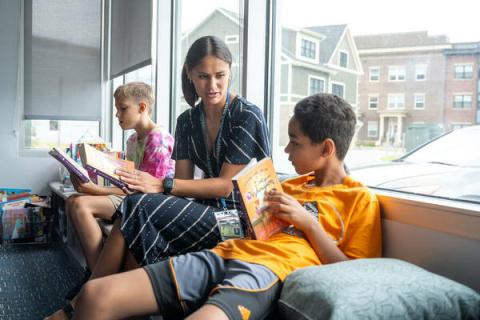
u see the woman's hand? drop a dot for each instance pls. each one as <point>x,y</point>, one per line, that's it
<point>140,181</point>
<point>83,187</point>
<point>288,209</point>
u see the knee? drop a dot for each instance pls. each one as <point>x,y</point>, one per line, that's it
<point>77,206</point>
<point>96,295</point>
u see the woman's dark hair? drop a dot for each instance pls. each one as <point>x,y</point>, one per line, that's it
<point>202,47</point>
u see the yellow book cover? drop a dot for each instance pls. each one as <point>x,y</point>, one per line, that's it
<point>103,164</point>
<point>252,182</point>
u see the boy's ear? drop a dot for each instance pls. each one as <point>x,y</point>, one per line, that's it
<point>329,149</point>
<point>142,107</point>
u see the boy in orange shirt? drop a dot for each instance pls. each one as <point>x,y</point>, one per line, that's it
<point>332,217</point>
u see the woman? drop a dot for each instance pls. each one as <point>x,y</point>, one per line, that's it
<point>220,134</point>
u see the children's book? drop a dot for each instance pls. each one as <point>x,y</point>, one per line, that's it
<point>71,165</point>
<point>103,164</point>
<point>252,182</point>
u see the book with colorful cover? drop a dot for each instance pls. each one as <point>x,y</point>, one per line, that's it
<point>71,165</point>
<point>103,164</point>
<point>252,182</point>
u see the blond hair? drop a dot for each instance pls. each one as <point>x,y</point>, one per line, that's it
<point>140,91</point>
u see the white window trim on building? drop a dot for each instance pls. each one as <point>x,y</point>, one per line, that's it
<point>371,124</point>
<point>339,84</point>
<point>231,39</point>
<point>415,101</point>
<point>463,65</point>
<point>391,95</point>
<point>301,37</point>
<point>396,71</point>
<point>419,70</point>
<point>370,96</point>
<point>339,58</point>
<point>310,77</point>
<point>370,74</point>
<point>463,95</point>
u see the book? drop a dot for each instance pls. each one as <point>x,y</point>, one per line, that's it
<point>71,165</point>
<point>252,182</point>
<point>104,165</point>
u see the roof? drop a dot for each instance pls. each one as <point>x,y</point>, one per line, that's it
<point>333,34</point>
<point>398,40</point>
<point>464,48</point>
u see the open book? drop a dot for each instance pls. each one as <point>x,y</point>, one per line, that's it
<point>71,165</point>
<point>103,164</point>
<point>252,182</point>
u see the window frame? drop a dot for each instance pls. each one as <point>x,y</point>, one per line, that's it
<point>302,36</point>
<point>463,95</point>
<point>370,74</point>
<point>415,95</point>
<point>396,71</point>
<point>463,73</point>
<point>418,68</point>
<point>346,54</point>
<point>369,123</point>
<point>314,77</point>
<point>391,95</point>
<point>373,95</point>
<point>337,83</point>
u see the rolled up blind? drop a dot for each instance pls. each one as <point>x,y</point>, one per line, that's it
<point>131,36</point>
<point>62,57</point>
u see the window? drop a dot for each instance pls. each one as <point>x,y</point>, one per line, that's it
<point>373,102</point>
<point>462,101</point>
<point>420,72</point>
<point>308,49</point>
<point>62,73</point>
<point>338,89</point>
<point>396,73</point>
<point>396,101</point>
<point>372,128</point>
<point>317,85</point>
<point>374,74</point>
<point>231,39</point>
<point>343,59</point>
<point>463,71</point>
<point>419,101</point>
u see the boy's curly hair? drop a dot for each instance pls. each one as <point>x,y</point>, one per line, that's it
<point>323,116</point>
<point>140,91</point>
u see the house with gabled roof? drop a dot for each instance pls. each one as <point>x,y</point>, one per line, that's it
<point>315,59</point>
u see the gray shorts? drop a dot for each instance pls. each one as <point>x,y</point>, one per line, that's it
<point>116,200</point>
<point>184,283</point>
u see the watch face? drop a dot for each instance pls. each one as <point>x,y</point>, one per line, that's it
<point>167,185</point>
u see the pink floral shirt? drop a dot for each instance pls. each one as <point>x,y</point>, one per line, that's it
<point>152,154</point>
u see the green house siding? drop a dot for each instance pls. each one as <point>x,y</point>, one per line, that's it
<point>300,76</point>
<point>350,82</point>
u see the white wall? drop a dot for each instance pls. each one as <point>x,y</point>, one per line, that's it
<point>16,171</point>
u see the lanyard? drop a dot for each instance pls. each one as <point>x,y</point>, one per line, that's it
<point>216,146</point>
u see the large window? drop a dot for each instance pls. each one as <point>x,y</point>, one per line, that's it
<point>62,75</point>
<point>308,49</point>
<point>398,74</point>
<point>221,18</point>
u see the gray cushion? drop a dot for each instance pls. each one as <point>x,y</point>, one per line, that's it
<point>375,289</point>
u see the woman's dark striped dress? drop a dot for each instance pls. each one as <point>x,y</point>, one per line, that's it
<point>156,226</point>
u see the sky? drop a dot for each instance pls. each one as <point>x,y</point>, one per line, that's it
<point>458,20</point>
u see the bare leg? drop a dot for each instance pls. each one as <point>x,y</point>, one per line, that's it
<point>208,312</point>
<point>117,297</point>
<point>110,262</point>
<point>83,211</point>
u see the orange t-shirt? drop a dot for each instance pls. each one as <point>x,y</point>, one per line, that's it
<point>287,251</point>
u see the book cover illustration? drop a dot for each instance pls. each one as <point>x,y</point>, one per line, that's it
<point>252,182</point>
<point>70,164</point>
<point>103,164</point>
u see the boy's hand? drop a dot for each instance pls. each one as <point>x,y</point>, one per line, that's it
<point>83,187</point>
<point>140,181</point>
<point>288,209</point>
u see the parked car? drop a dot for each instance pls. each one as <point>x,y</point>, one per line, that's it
<point>447,166</point>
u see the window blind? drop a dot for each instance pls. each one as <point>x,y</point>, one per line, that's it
<point>62,57</point>
<point>131,36</point>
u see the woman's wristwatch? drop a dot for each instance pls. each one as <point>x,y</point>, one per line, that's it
<point>168,184</point>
